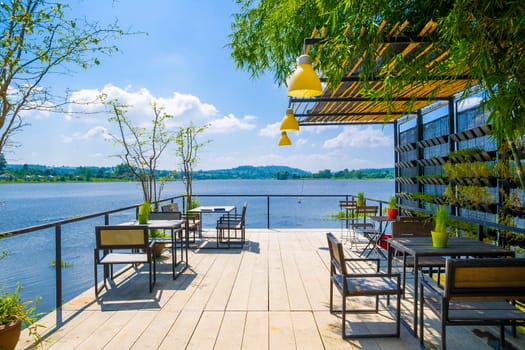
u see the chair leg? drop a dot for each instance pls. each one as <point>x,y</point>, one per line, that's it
<point>331,297</point>
<point>502,336</point>
<point>421,315</point>
<point>344,318</point>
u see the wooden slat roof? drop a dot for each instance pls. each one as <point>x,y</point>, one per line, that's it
<point>348,104</point>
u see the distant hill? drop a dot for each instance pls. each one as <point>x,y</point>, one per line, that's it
<point>43,173</point>
<point>251,172</point>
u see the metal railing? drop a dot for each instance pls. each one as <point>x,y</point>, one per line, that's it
<point>58,225</point>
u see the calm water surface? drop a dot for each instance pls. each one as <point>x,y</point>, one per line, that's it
<point>31,255</point>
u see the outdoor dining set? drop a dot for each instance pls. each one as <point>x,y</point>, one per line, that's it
<point>132,242</point>
<point>466,282</point>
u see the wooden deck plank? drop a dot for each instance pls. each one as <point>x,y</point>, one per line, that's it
<point>132,330</point>
<point>231,331</point>
<point>298,298</point>
<point>305,331</point>
<point>182,330</point>
<point>278,295</point>
<point>281,330</point>
<point>258,298</point>
<point>238,298</point>
<point>221,294</point>
<point>206,331</point>
<point>256,331</point>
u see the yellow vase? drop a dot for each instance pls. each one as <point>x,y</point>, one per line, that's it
<point>439,239</point>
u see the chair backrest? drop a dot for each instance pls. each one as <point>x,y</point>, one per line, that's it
<point>347,204</point>
<point>163,215</point>
<point>411,228</point>
<point>122,236</point>
<point>337,256</point>
<point>170,207</point>
<point>485,278</point>
<point>367,210</point>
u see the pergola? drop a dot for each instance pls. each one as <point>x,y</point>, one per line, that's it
<point>357,100</point>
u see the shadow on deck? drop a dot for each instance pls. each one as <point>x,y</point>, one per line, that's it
<point>273,294</point>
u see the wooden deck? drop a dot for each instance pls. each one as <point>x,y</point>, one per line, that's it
<point>273,294</point>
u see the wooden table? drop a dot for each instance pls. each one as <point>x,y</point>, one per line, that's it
<point>422,246</point>
<point>216,209</point>
<point>174,226</point>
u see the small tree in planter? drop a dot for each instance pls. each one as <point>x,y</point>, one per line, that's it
<point>360,199</point>
<point>391,211</point>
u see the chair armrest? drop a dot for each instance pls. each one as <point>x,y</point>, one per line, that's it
<point>377,261</point>
<point>375,274</point>
<point>394,275</point>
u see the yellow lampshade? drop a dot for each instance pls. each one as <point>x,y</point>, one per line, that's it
<point>284,140</point>
<point>304,82</point>
<point>289,123</point>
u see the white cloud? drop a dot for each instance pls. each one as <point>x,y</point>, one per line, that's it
<point>93,133</point>
<point>359,137</point>
<point>271,130</point>
<point>230,123</point>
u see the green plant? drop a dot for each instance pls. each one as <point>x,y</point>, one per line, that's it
<point>440,219</point>
<point>158,234</point>
<point>12,308</point>
<point>360,199</point>
<point>143,213</point>
<point>392,202</point>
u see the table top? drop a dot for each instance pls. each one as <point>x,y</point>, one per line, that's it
<point>213,209</point>
<point>159,224</point>
<point>422,246</point>
<point>381,218</point>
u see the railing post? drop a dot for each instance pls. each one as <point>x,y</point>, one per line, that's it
<point>106,219</point>
<point>268,212</point>
<point>58,271</point>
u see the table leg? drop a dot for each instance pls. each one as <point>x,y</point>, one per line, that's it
<point>173,252</point>
<point>416,287</point>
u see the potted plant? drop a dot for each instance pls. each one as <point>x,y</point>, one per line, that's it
<point>360,199</point>
<point>14,313</point>
<point>391,211</point>
<point>440,232</point>
<point>143,213</point>
<point>158,248</point>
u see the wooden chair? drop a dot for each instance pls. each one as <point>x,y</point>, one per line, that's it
<point>172,207</point>
<point>232,223</point>
<point>367,228</point>
<point>352,284</point>
<point>476,292</point>
<point>417,227</point>
<point>126,244</point>
<point>192,221</point>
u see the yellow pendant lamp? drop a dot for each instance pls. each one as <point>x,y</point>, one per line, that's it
<point>284,140</point>
<point>289,123</point>
<point>304,82</point>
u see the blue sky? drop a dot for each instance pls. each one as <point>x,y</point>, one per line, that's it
<point>183,63</point>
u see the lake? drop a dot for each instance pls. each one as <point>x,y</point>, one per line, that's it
<point>31,255</point>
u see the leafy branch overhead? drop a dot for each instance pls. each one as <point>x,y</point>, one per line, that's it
<point>483,41</point>
<point>39,39</point>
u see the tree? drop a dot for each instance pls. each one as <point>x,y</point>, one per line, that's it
<point>187,149</point>
<point>38,39</point>
<point>3,162</point>
<point>484,38</point>
<point>142,147</point>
